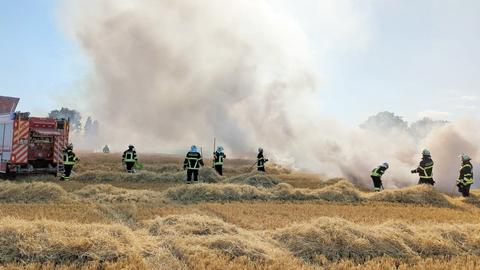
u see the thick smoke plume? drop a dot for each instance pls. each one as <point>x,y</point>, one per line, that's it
<point>171,73</point>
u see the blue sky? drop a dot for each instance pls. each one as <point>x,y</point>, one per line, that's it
<point>420,58</point>
<point>39,64</point>
<point>414,58</point>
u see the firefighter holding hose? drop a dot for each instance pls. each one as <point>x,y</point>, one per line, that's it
<point>425,169</point>
<point>69,160</point>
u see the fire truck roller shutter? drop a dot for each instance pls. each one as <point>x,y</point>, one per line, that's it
<point>20,142</point>
<point>6,138</point>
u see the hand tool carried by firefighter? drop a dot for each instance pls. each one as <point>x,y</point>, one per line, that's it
<point>254,164</point>
<point>214,149</point>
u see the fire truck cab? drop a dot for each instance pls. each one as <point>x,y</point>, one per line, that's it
<point>30,144</point>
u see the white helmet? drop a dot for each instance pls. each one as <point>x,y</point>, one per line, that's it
<point>466,157</point>
<point>220,149</point>
<point>194,149</point>
<point>385,165</point>
<point>426,152</point>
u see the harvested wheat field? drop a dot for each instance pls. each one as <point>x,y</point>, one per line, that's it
<point>106,219</point>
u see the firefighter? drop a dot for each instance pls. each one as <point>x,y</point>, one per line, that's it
<point>218,160</point>
<point>129,158</point>
<point>425,169</point>
<point>193,162</point>
<point>377,174</point>
<point>69,160</point>
<point>106,149</point>
<point>465,180</point>
<point>261,160</point>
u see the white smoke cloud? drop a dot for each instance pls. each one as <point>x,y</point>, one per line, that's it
<point>176,71</point>
<point>469,98</point>
<point>170,73</point>
<point>434,114</point>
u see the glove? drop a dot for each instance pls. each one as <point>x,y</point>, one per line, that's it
<point>413,171</point>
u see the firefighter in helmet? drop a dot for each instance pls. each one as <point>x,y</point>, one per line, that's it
<point>425,169</point>
<point>192,163</point>
<point>106,149</point>
<point>218,160</point>
<point>261,160</point>
<point>465,180</point>
<point>377,174</point>
<point>69,160</point>
<point>129,158</point>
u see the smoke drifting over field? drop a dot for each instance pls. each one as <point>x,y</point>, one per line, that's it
<point>168,74</point>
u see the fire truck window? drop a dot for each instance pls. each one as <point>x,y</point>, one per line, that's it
<point>60,124</point>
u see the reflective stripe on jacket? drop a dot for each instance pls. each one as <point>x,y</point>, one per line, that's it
<point>69,158</point>
<point>129,156</point>
<point>218,158</point>
<point>378,172</point>
<point>466,174</point>
<point>425,169</point>
<point>193,161</point>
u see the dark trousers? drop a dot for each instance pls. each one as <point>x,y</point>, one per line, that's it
<point>261,169</point>
<point>67,172</point>
<point>464,189</point>
<point>423,181</point>
<point>191,173</point>
<point>377,183</point>
<point>219,169</point>
<point>129,166</point>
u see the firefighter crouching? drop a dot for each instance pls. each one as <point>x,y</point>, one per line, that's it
<point>192,163</point>
<point>425,169</point>
<point>218,160</point>
<point>129,158</point>
<point>465,180</point>
<point>69,160</point>
<point>377,174</point>
<point>261,160</point>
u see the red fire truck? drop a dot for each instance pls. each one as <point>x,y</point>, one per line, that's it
<point>30,144</point>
